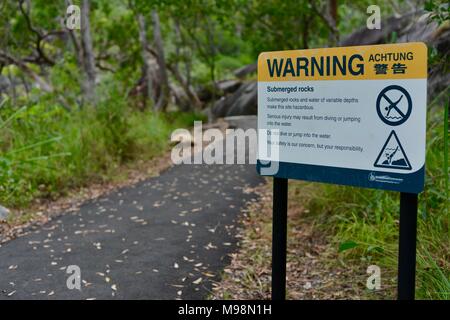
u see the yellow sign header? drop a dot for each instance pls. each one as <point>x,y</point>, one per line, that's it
<point>387,61</point>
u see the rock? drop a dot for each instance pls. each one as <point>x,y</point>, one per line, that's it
<point>412,27</point>
<point>246,104</point>
<point>242,102</point>
<point>437,37</point>
<point>228,86</point>
<point>204,93</point>
<point>4,212</point>
<point>219,109</point>
<point>366,36</point>
<point>242,72</point>
<point>223,87</point>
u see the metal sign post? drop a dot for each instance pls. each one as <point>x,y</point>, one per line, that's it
<point>279,238</point>
<point>407,246</point>
<point>406,253</point>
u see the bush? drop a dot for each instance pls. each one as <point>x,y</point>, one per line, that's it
<point>45,150</point>
<point>365,222</point>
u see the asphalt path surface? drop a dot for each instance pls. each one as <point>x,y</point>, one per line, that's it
<point>167,237</point>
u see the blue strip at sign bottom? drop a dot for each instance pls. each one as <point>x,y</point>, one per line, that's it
<point>408,182</point>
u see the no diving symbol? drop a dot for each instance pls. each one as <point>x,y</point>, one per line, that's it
<point>394,105</point>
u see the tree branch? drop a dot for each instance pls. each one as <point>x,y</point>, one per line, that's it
<point>8,59</point>
<point>325,18</point>
<point>39,36</point>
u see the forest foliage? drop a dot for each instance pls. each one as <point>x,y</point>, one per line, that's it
<point>75,105</point>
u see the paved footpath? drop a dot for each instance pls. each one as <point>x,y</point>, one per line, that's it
<point>163,238</point>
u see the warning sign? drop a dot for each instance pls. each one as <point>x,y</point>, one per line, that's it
<point>350,115</point>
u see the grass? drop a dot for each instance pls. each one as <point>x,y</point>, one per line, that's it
<point>46,150</point>
<point>364,223</point>
<point>345,230</point>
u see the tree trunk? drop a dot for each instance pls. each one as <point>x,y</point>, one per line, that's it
<point>212,55</point>
<point>42,83</point>
<point>88,54</point>
<point>192,95</point>
<point>305,31</point>
<point>145,58</point>
<point>12,86</point>
<point>163,98</point>
<point>333,38</point>
<point>184,81</point>
<point>75,42</point>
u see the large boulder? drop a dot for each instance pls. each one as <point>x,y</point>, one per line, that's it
<point>228,86</point>
<point>223,87</point>
<point>242,102</point>
<point>246,103</point>
<point>412,27</point>
<point>244,71</point>
<point>389,27</point>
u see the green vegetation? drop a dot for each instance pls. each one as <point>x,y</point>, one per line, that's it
<point>46,150</point>
<point>365,222</point>
<point>77,104</point>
